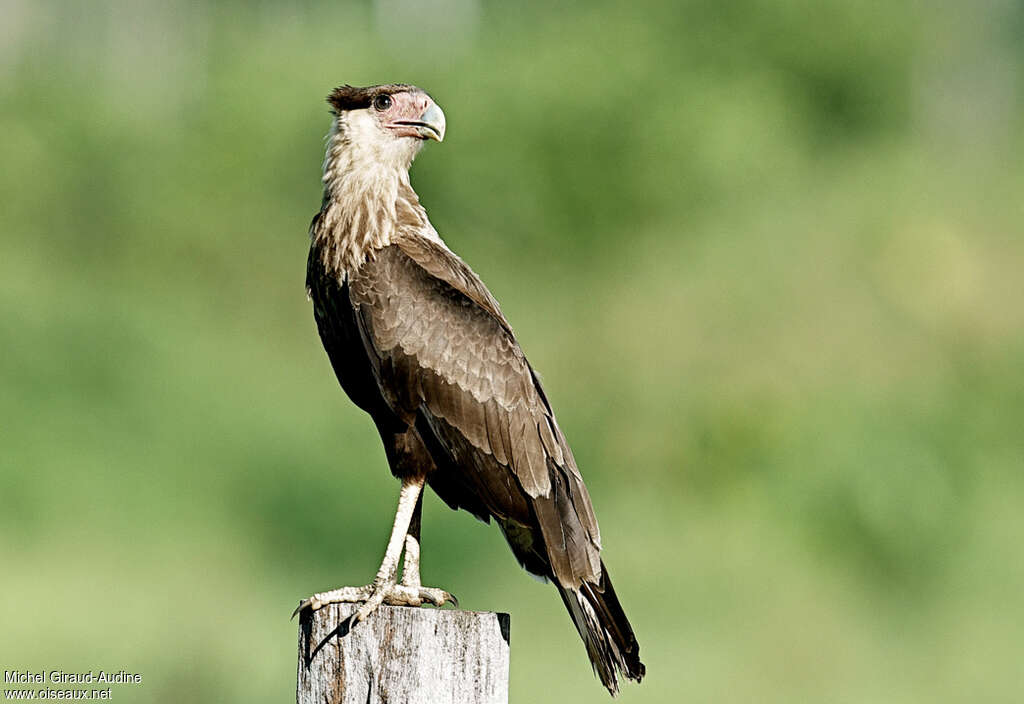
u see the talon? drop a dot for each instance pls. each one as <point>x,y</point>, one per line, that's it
<point>437,597</point>
<point>311,603</point>
<point>349,623</point>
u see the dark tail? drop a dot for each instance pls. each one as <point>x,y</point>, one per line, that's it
<point>606,632</point>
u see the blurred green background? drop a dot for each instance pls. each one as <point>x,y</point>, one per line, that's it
<point>767,255</point>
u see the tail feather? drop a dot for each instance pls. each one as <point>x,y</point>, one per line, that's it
<point>601,622</point>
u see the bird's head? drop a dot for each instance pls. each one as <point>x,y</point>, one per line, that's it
<point>389,123</point>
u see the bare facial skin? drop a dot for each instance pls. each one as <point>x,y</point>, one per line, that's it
<point>409,114</point>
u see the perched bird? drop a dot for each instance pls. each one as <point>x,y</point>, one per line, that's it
<point>418,342</point>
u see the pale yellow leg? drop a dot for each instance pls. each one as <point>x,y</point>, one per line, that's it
<point>384,588</point>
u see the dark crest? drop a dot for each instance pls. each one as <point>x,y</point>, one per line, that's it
<point>348,97</point>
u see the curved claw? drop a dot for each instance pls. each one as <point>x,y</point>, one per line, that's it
<point>304,604</point>
<point>437,597</point>
<point>346,626</point>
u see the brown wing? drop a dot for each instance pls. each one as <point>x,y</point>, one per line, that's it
<point>443,352</point>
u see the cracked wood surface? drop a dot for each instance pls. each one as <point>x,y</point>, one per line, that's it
<point>403,654</point>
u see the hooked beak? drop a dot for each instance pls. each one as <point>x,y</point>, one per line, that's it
<point>430,124</point>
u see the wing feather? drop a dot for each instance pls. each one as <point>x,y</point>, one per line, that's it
<point>442,350</point>
<point>498,441</point>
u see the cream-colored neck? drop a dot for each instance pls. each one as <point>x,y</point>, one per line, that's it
<point>368,202</point>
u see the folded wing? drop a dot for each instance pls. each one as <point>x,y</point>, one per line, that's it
<point>446,360</point>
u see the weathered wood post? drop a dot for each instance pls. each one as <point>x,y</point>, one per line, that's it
<point>402,654</point>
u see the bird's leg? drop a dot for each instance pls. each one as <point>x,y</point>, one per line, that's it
<point>411,563</point>
<point>384,588</point>
<point>407,501</point>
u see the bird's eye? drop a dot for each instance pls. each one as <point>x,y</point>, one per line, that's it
<point>382,102</point>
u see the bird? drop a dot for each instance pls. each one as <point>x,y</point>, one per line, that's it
<point>418,342</point>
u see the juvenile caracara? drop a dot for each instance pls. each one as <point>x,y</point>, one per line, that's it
<point>418,342</point>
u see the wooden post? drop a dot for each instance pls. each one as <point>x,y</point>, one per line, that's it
<point>402,654</point>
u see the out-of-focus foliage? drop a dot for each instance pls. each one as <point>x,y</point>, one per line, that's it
<point>767,256</point>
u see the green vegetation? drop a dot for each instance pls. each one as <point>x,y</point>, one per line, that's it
<point>767,257</point>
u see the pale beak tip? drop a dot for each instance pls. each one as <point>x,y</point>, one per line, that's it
<point>433,116</point>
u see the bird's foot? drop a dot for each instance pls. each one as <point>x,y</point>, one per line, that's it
<point>373,595</point>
